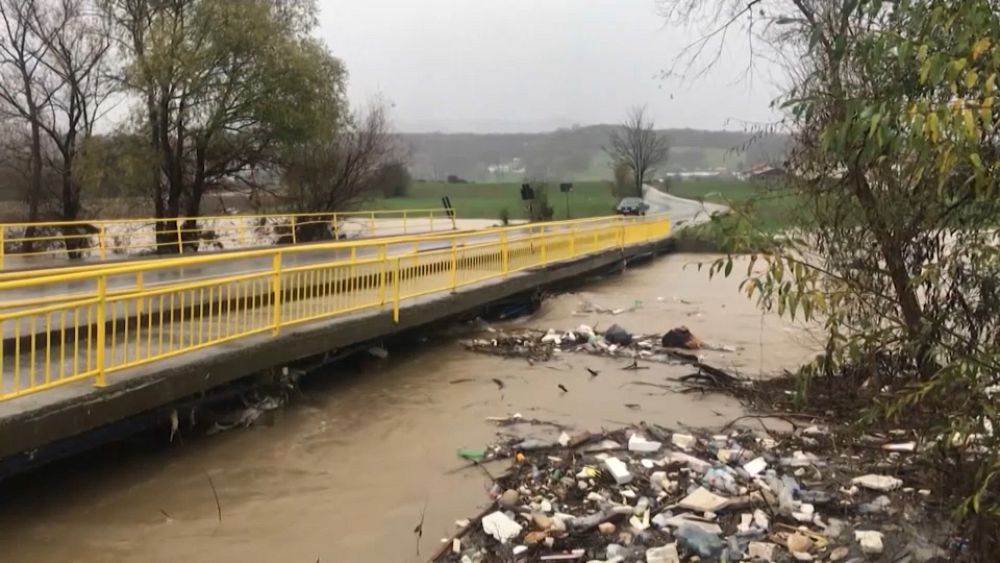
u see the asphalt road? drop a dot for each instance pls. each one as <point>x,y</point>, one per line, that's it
<point>683,212</point>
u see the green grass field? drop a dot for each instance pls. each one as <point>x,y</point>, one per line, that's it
<point>485,201</point>
<point>768,207</point>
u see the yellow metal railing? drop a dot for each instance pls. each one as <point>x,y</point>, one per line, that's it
<point>106,239</point>
<point>85,325</point>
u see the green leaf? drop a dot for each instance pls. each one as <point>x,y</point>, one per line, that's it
<point>938,68</point>
<point>904,52</point>
<point>980,47</point>
<point>849,7</point>
<point>922,53</point>
<point>874,124</point>
<point>970,123</point>
<point>874,7</point>
<point>925,71</point>
<point>918,124</point>
<point>971,78</point>
<point>932,127</point>
<point>814,37</point>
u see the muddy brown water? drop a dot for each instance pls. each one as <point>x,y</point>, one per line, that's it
<point>346,471</point>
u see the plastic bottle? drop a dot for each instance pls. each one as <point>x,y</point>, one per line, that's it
<point>471,454</point>
<point>721,480</point>
<point>706,545</point>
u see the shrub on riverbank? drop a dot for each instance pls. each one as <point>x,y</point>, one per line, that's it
<point>896,168</point>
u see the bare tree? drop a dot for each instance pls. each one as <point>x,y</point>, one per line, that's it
<point>76,86</point>
<point>637,144</point>
<point>342,169</point>
<point>22,95</point>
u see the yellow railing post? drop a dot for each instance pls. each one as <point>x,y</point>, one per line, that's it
<point>372,222</point>
<point>276,292</point>
<point>404,222</point>
<point>336,228</point>
<point>454,265</point>
<point>504,254</point>
<point>295,239</point>
<point>395,292</point>
<point>180,236</point>
<point>102,242</point>
<point>381,276</point>
<point>138,286</point>
<point>3,251</point>
<point>102,295</point>
<point>354,261</point>
<point>243,232</point>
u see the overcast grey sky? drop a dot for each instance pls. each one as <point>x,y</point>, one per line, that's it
<point>530,65</point>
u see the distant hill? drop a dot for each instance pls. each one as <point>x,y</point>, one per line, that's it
<point>576,154</point>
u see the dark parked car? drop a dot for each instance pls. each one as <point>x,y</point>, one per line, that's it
<point>632,206</point>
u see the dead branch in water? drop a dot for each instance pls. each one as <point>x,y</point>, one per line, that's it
<point>645,384</point>
<point>786,417</point>
<point>215,493</point>
<point>419,529</point>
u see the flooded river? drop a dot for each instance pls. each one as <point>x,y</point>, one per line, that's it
<point>346,470</point>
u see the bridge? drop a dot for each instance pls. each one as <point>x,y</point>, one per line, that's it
<point>84,347</point>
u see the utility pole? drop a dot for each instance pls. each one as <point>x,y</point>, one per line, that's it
<point>566,188</point>
<point>528,194</point>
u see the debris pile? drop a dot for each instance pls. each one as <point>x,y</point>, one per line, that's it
<point>671,348</point>
<point>615,341</point>
<point>529,344</point>
<point>649,494</point>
